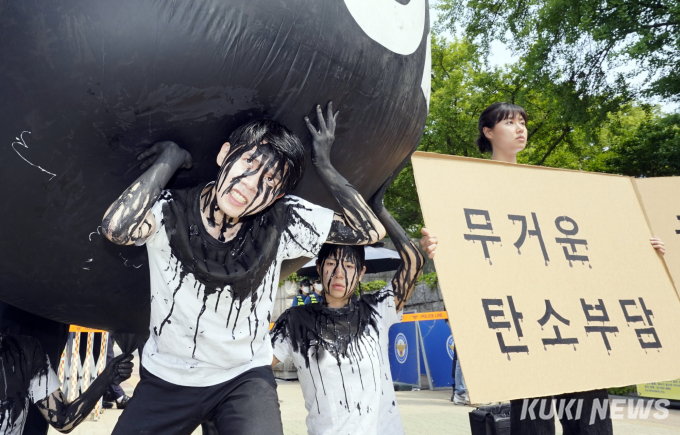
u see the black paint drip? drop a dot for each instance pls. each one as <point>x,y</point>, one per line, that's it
<point>22,360</point>
<point>264,158</point>
<point>315,330</point>
<point>239,265</point>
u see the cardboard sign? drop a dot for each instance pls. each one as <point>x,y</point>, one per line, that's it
<point>660,199</point>
<point>551,279</point>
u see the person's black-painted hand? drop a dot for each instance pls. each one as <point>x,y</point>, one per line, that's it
<point>376,201</point>
<point>324,137</point>
<point>168,148</point>
<point>119,370</point>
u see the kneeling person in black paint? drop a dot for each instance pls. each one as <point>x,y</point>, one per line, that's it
<point>214,257</point>
<point>340,346</point>
<point>28,376</point>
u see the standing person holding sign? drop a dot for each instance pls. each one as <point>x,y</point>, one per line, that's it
<point>503,132</point>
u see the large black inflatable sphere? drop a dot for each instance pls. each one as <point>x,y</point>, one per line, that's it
<point>85,85</point>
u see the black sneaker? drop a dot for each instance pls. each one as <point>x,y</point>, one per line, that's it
<point>107,405</point>
<point>123,402</point>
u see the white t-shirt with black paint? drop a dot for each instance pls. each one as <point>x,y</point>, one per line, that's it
<point>355,395</point>
<point>201,337</point>
<point>26,376</point>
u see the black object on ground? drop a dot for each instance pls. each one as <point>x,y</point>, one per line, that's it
<point>399,386</point>
<point>491,420</point>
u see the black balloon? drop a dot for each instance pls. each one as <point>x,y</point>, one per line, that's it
<point>86,85</point>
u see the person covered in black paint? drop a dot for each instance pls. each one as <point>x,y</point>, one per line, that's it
<point>51,335</point>
<point>340,346</point>
<point>27,377</point>
<point>215,253</point>
<point>303,293</point>
<point>503,132</point>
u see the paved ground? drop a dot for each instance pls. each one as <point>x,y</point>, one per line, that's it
<point>423,413</point>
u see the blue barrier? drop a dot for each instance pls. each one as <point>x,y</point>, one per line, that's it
<point>423,367</point>
<point>403,352</point>
<point>437,351</point>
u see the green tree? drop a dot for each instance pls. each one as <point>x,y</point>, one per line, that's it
<point>563,128</point>
<point>581,42</point>
<point>462,86</point>
<point>401,199</point>
<point>460,91</point>
<point>619,126</point>
<point>652,150</point>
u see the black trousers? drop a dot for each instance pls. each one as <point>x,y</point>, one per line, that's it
<point>245,405</point>
<point>573,426</point>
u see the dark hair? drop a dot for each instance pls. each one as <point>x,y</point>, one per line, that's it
<point>491,116</point>
<point>352,253</point>
<point>284,143</point>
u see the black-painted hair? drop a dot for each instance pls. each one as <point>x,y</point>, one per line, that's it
<point>491,116</point>
<point>280,140</point>
<point>353,253</point>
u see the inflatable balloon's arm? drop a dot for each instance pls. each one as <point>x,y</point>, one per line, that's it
<point>357,225</point>
<point>65,416</point>
<point>129,218</point>
<point>412,260</point>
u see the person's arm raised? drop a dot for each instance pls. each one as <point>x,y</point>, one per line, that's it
<point>129,218</point>
<point>357,225</point>
<point>412,260</point>
<point>64,416</point>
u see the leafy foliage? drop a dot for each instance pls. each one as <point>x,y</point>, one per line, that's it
<point>652,150</point>
<point>430,279</point>
<point>580,42</point>
<point>623,391</point>
<point>370,287</point>
<point>294,277</point>
<point>563,125</point>
<point>401,199</point>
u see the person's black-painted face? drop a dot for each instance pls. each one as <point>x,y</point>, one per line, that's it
<point>340,277</point>
<point>250,182</point>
